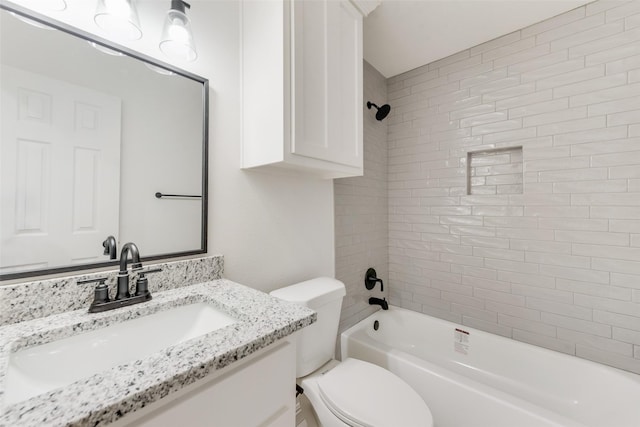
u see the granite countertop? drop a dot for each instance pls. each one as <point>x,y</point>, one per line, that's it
<point>111,394</point>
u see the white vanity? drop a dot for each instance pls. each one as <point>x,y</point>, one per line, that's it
<point>210,353</point>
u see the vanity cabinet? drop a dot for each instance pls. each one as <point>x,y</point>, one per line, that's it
<point>256,391</point>
<point>302,86</point>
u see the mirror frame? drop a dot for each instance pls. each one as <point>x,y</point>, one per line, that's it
<point>76,32</point>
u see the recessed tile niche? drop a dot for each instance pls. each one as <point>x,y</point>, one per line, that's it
<point>497,171</point>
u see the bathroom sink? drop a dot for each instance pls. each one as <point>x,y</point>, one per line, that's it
<point>43,368</point>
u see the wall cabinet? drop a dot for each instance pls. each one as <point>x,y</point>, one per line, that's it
<point>302,86</point>
<point>256,391</point>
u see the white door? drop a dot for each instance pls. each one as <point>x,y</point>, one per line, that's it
<point>327,58</point>
<point>60,160</point>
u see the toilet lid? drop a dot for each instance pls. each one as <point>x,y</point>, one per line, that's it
<point>365,395</point>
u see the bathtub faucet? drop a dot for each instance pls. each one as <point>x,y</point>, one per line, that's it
<point>381,302</point>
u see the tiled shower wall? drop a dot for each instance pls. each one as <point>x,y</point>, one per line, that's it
<point>558,265</point>
<point>361,214</point>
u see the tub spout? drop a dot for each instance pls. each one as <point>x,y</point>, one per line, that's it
<point>381,302</point>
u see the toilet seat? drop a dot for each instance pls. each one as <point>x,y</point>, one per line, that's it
<point>362,394</point>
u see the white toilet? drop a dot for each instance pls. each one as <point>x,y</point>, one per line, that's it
<point>352,392</point>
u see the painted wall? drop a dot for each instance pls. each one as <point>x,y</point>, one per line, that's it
<point>558,265</point>
<point>273,230</point>
<point>361,212</point>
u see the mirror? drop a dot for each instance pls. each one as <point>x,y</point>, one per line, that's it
<point>96,141</point>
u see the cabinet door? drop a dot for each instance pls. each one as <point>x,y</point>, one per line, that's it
<point>327,76</point>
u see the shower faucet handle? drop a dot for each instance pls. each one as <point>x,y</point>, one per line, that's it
<point>371,278</point>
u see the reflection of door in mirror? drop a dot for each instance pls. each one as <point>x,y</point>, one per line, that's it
<point>60,160</point>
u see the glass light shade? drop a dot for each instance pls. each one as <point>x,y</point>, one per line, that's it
<point>177,38</point>
<point>119,18</point>
<point>105,49</point>
<point>31,22</point>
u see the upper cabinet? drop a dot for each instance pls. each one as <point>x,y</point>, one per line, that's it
<point>302,86</point>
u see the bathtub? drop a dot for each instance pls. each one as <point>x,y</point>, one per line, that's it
<point>471,378</point>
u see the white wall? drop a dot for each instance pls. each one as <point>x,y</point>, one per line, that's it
<point>361,212</point>
<point>273,230</point>
<point>558,265</point>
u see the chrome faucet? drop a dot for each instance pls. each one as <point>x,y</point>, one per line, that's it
<point>123,275</point>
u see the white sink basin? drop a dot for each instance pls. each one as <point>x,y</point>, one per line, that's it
<point>43,368</point>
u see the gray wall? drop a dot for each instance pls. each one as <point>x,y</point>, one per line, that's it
<point>361,211</point>
<point>559,264</point>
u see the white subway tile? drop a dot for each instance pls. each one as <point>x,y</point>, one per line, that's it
<point>624,225</point>
<point>624,64</point>
<point>615,212</point>
<point>557,212</point>
<point>608,358</point>
<point>562,163</point>
<point>461,299</point>
<point>572,126</point>
<point>574,223</point>
<point>545,73</point>
<point>523,100</point>
<point>613,54</point>
<point>616,265</point>
<point>474,79</point>
<point>558,259</point>
<point>626,280</point>
<point>635,240</point>
<point>524,55</point>
<point>486,283</point>
<point>590,86</point>
<point>631,171</point>
<point>543,293</point>
<point>506,265</point>
<point>573,174</point>
<point>555,22</point>
<point>622,11</point>
<point>420,77</point>
<point>497,127</point>
<point>616,159</point>
<point>603,5</point>
<point>605,95</point>
<point>594,39</point>
<point>527,325</point>
<point>602,251</point>
<point>541,246</point>
<point>567,78</point>
<point>556,116</point>
<point>539,108</point>
<point>460,65</point>
<point>624,118</point>
<point>588,339</point>
<point>617,38</point>
<point>507,254</point>
<point>579,274</point>
<point>579,137</point>
<point>605,199</point>
<point>570,30</point>
<point>484,118</point>
<point>632,21</point>
<point>544,341</point>
<point>460,56</point>
<point>608,305</point>
<point>595,237</point>
<point>513,310</point>
<point>511,135</point>
<point>474,312</point>
<point>611,146</point>
<point>473,231</point>
<point>594,289</point>
<point>484,241</point>
<point>527,279</point>
<point>508,92</point>
<point>575,323</point>
<point>626,335</point>
<point>508,49</point>
<point>609,186</point>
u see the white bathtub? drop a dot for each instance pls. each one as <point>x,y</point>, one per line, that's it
<point>471,378</point>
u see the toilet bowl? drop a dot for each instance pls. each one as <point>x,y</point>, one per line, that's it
<point>352,392</point>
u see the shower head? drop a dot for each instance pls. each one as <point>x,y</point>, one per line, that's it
<point>382,111</point>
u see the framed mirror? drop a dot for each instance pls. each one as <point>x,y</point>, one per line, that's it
<point>96,141</point>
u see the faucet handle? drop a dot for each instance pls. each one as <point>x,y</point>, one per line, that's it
<point>101,292</point>
<point>142,284</point>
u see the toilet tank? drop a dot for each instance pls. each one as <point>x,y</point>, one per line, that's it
<point>316,343</point>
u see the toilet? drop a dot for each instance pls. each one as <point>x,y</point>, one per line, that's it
<point>352,392</point>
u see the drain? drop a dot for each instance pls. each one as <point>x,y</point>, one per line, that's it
<point>376,325</point>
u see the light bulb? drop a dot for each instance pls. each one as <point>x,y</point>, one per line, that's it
<point>119,18</point>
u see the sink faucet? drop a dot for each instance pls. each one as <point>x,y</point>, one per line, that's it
<point>123,275</point>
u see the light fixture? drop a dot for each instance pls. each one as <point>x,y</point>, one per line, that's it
<point>104,49</point>
<point>177,39</point>
<point>119,18</point>
<point>31,21</point>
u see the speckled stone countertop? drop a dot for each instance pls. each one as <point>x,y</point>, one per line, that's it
<point>113,393</point>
